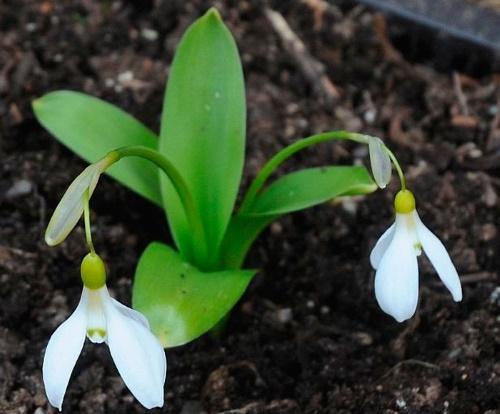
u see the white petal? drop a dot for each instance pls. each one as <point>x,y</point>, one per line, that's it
<point>131,313</point>
<point>396,279</point>
<point>440,259</point>
<point>381,246</point>
<point>96,316</point>
<point>63,349</point>
<point>70,208</point>
<point>138,355</point>
<point>380,162</point>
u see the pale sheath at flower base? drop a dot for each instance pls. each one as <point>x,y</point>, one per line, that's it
<point>137,353</point>
<point>395,259</point>
<point>70,208</point>
<point>380,162</point>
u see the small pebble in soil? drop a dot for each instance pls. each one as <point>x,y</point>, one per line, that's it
<point>495,296</point>
<point>19,188</point>
<point>276,228</point>
<point>401,403</point>
<point>350,205</point>
<point>125,77</point>
<point>149,34</point>
<point>490,196</point>
<point>489,232</point>
<point>283,316</point>
<point>363,338</point>
<point>31,27</point>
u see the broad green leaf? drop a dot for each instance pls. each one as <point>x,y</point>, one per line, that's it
<point>203,129</point>
<point>91,127</point>
<point>309,187</point>
<point>181,302</point>
<point>292,192</point>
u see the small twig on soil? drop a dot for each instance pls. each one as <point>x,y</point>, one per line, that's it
<point>286,405</point>
<point>399,345</point>
<point>380,30</point>
<point>493,139</point>
<point>396,367</point>
<point>462,99</point>
<point>394,56</point>
<point>313,70</point>
<point>486,162</point>
<point>250,408</point>
<point>492,4</point>
<point>473,278</point>
<point>319,8</point>
<point>477,277</point>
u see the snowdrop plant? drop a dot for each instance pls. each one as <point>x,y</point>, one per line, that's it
<point>192,170</point>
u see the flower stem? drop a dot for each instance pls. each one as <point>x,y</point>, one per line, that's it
<point>192,213</point>
<point>86,219</point>
<point>287,152</point>
<point>399,170</point>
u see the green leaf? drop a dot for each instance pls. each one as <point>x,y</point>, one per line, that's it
<point>241,233</point>
<point>292,192</point>
<point>203,129</point>
<point>91,127</point>
<point>309,187</point>
<point>181,302</point>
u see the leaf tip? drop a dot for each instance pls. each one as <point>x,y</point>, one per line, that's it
<point>213,14</point>
<point>36,104</point>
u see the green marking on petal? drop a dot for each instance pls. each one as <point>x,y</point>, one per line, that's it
<point>96,335</point>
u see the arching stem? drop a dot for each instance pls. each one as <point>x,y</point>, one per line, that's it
<point>192,213</point>
<point>287,152</point>
<point>399,170</point>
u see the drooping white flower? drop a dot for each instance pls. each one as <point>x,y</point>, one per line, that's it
<point>395,259</point>
<point>70,208</point>
<point>137,353</point>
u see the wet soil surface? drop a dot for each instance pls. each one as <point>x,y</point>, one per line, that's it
<point>308,336</point>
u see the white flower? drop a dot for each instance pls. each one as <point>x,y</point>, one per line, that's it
<point>137,353</point>
<point>70,208</point>
<point>395,259</point>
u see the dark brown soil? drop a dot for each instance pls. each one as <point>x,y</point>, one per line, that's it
<point>308,336</point>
